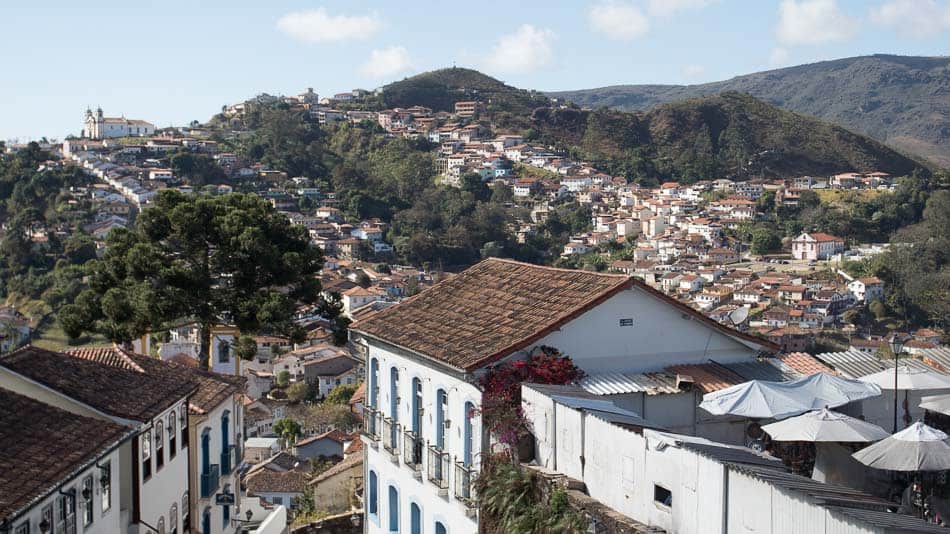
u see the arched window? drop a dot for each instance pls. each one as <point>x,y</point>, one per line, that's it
<point>159,445</point>
<point>415,519</point>
<point>393,509</point>
<point>394,394</point>
<point>185,513</point>
<point>417,404</point>
<point>160,527</point>
<point>441,408</point>
<point>440,528</point>
<point>172,435</point>
<point>468,433</point>
<point>206,521</point>
<point>183,424</point>
<point>374,384</point>
<point>372,503</point>
<point>173,519</point>
<point>146,444</point>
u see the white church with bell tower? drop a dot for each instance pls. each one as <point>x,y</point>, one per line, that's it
<point>96,126</point>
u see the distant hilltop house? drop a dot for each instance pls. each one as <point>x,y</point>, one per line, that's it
<point>816,246</point>
<point>97,126</point>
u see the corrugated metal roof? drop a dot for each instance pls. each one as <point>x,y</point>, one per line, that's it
<point>579,399</point>
<point>618,383</point>
<point>939,358</point>
<point>855,364</point>
<point>708,377</point>
<point>905,523</point>
<point>820,491</point>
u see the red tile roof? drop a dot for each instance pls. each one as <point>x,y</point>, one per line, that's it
<point>112,389</point>
<point>804,363</point>
<point>41,445</point>
<point>500,306</point>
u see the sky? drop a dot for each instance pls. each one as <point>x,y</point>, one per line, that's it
<point>174,61</point>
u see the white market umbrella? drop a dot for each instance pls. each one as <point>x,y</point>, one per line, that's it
<point>761,399</point>
<point>916,448</point>
<point>909,378</point>
<point>936,403</point>
<point>825,425</point>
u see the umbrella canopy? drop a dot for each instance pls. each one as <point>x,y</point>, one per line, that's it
<point>764,399</point>
<point>936,403</point>
<point>825,425</point>
<point>909,378</point>
<point>916,448</point>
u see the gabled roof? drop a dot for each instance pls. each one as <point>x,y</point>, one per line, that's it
<point>41,446</point>
<point>113,390</point>
<point>490,310</point>
<point>499,306</point>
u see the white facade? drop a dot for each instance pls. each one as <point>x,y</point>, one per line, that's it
<point>167,471</point>
<point>216,465</point>
<point>97,126</point>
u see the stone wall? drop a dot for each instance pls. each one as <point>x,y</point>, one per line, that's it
<point>334,524</point>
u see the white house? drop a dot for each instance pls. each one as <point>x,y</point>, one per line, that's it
<point>816,246</point>
<point>97,126</point>
<point>144,396</point>
<point>423,433</point>
<point>866,289</point>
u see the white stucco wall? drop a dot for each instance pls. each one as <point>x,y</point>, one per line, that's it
<point>212,423</point>
<point>661,335</point>
<point>167,485</point>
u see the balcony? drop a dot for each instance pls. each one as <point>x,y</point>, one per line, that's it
<point>389,432</point>
<point>464,484</point>
<point>371,423</point>
<point>412,449</point>
<point>210,481</point>
<point>228,459</point>
<point>438,467</point>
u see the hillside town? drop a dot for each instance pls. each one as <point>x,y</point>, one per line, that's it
<point>393,423</point>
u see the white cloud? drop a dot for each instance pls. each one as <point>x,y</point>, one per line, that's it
<point>387,62</point>
<point>812,22</point>
<point>778,57</point>
<point>528,48</point>
<point>620,21</point>
<point>694,71</point>
<point>318,26</point>
<point>666,8</point>
<point>914,18</point>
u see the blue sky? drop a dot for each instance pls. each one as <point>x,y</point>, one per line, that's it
<point>174,61</point>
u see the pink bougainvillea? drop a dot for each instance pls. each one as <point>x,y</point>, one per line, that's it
<point>501,389</point>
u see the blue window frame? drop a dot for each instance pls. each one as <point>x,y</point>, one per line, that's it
<point>393,509</point>
<point>374,384</point>
<point>440,528</point>
<point>372,504</point>
<point>468,433</point>
<point>441,402</point>
<point>415,519</point>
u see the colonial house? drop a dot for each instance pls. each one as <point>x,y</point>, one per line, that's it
<point>816,246</point>
<point>423,435</point>
<point>97,126</point>
<point>866,289</point>
<point>143,482</point>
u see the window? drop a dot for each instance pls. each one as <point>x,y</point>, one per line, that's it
<point>441,408</point>
<point>183,423</point>
<point>468,433</point>
<point>47,518</point>
<point>417,406</point>
<point>394,393</point>
<point>373,501</point>
<point>66,514</point>
<point>159,445</point>
<point>172,435</point>
<point>440,528</point>
<point>87,502</point>
<point>662,495</point>
<point>105,486</point>
<point>278,500</point>
<point>224,352</point>
<point>415,519</point>
<point>206,521</point>
<point>160,527</point>
<point>393,509</point>
<point>146,456</point>
<point>185,513</point>
<point>23,529</point>
<point>374,384</point>
<point>225,516</point>
<point>173,519</point>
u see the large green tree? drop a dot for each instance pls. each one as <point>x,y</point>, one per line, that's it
<point>227,259</point>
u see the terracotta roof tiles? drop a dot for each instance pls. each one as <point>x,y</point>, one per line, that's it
<point>708,377</point>
<point>804,363</point>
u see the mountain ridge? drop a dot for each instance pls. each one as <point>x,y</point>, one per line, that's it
<point>731,134</point>
<point>903,101</point>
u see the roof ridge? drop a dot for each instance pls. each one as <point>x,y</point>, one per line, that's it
<point>551,268</point>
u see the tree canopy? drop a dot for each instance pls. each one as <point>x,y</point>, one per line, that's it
<point>230,259</point>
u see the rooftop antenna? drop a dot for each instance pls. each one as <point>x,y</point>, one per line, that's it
<point>738,315</point>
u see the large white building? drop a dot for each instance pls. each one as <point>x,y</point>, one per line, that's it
<point>98,126</point>
<point>423,437</point>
